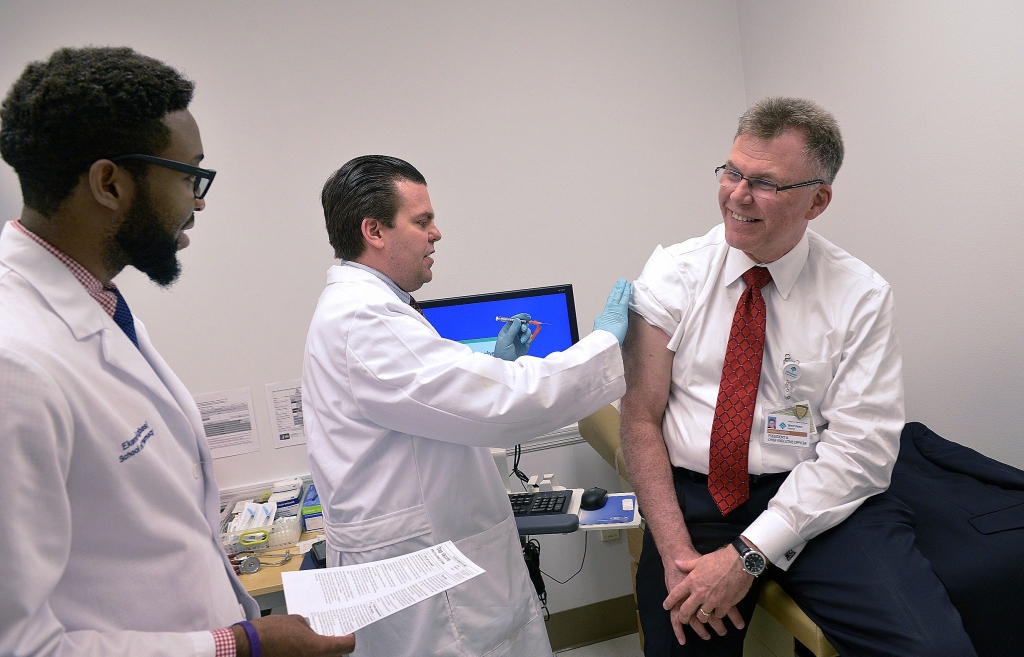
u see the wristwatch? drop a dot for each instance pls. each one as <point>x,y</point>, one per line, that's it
<point>753,561</point>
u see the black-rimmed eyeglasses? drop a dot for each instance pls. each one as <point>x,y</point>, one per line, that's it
<point>203,177</point>
<point>758,187</point>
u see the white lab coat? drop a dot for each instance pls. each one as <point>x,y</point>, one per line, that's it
<point>105,550</point>
<point>399,421</point>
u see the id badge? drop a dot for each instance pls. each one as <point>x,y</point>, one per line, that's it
<point>789,426</point>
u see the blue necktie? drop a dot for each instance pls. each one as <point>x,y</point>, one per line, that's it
<point>123,318</point>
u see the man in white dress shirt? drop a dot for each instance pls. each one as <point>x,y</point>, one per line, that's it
<point>771,447</point>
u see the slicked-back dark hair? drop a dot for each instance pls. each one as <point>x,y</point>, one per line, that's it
<point>364,187</point>
<point>771,117</point>
<point>82,105</point>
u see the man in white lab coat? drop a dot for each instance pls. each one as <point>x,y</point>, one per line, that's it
<point>110,541</point>
<point>399,420</point>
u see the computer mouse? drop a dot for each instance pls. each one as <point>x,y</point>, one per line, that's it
<point>593,499</point>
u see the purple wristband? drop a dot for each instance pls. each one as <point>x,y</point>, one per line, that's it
<point>254,639</point>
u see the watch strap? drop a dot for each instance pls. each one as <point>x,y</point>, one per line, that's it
<point>744,550</point>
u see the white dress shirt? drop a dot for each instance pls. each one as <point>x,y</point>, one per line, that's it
<point>826,310</point>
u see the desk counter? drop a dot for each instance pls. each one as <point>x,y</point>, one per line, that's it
<point>267,580</point>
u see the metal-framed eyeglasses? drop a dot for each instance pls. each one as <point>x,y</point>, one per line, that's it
<point>758,187</point>
<point>203,177</point>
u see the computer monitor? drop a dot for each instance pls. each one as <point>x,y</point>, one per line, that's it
<point>472,321</point>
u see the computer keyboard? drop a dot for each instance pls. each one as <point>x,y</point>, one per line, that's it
<point>540,504</point>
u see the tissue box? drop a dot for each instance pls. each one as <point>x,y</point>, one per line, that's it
<point>287,494</point>
<point>312,512</point>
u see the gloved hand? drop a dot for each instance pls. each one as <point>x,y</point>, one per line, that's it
<point>514,338</point>
<point>615,316</point>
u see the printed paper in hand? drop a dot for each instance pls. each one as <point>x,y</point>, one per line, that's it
<point>338,601</point>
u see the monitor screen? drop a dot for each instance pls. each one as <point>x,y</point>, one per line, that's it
<point>473,320</point>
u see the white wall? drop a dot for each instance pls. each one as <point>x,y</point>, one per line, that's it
<point>561,142</point>
<point>929,96</point>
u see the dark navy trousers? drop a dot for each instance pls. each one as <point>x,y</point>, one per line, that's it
<point>863,582</point>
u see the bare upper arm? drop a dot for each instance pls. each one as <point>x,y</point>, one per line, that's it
<point>647,361</point>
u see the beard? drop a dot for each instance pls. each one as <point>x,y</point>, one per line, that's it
<point>143,242</point>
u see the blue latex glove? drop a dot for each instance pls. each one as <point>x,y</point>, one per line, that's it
<point>615,316</point>
<point>514,338</point>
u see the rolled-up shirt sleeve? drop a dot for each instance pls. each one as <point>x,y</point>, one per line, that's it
<point>660,280</point>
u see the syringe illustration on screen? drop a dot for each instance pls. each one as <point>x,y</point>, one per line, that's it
<point>473,320</point>
<point>534,322</point>
<point>486,345</point>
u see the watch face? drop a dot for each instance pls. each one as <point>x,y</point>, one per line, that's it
<point>753,563</point>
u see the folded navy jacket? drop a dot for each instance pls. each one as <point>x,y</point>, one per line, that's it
<point>969,513</point>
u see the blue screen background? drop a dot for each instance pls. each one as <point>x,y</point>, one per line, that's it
<point>475,321</point>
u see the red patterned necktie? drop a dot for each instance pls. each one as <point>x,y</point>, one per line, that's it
<point>728,477</point>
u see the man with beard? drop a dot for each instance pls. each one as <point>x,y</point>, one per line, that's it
<point>111,541</point>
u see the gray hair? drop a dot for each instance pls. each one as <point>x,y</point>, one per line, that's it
<point>771,117</point>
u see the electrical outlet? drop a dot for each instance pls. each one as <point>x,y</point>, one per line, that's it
<point>609,534</point>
